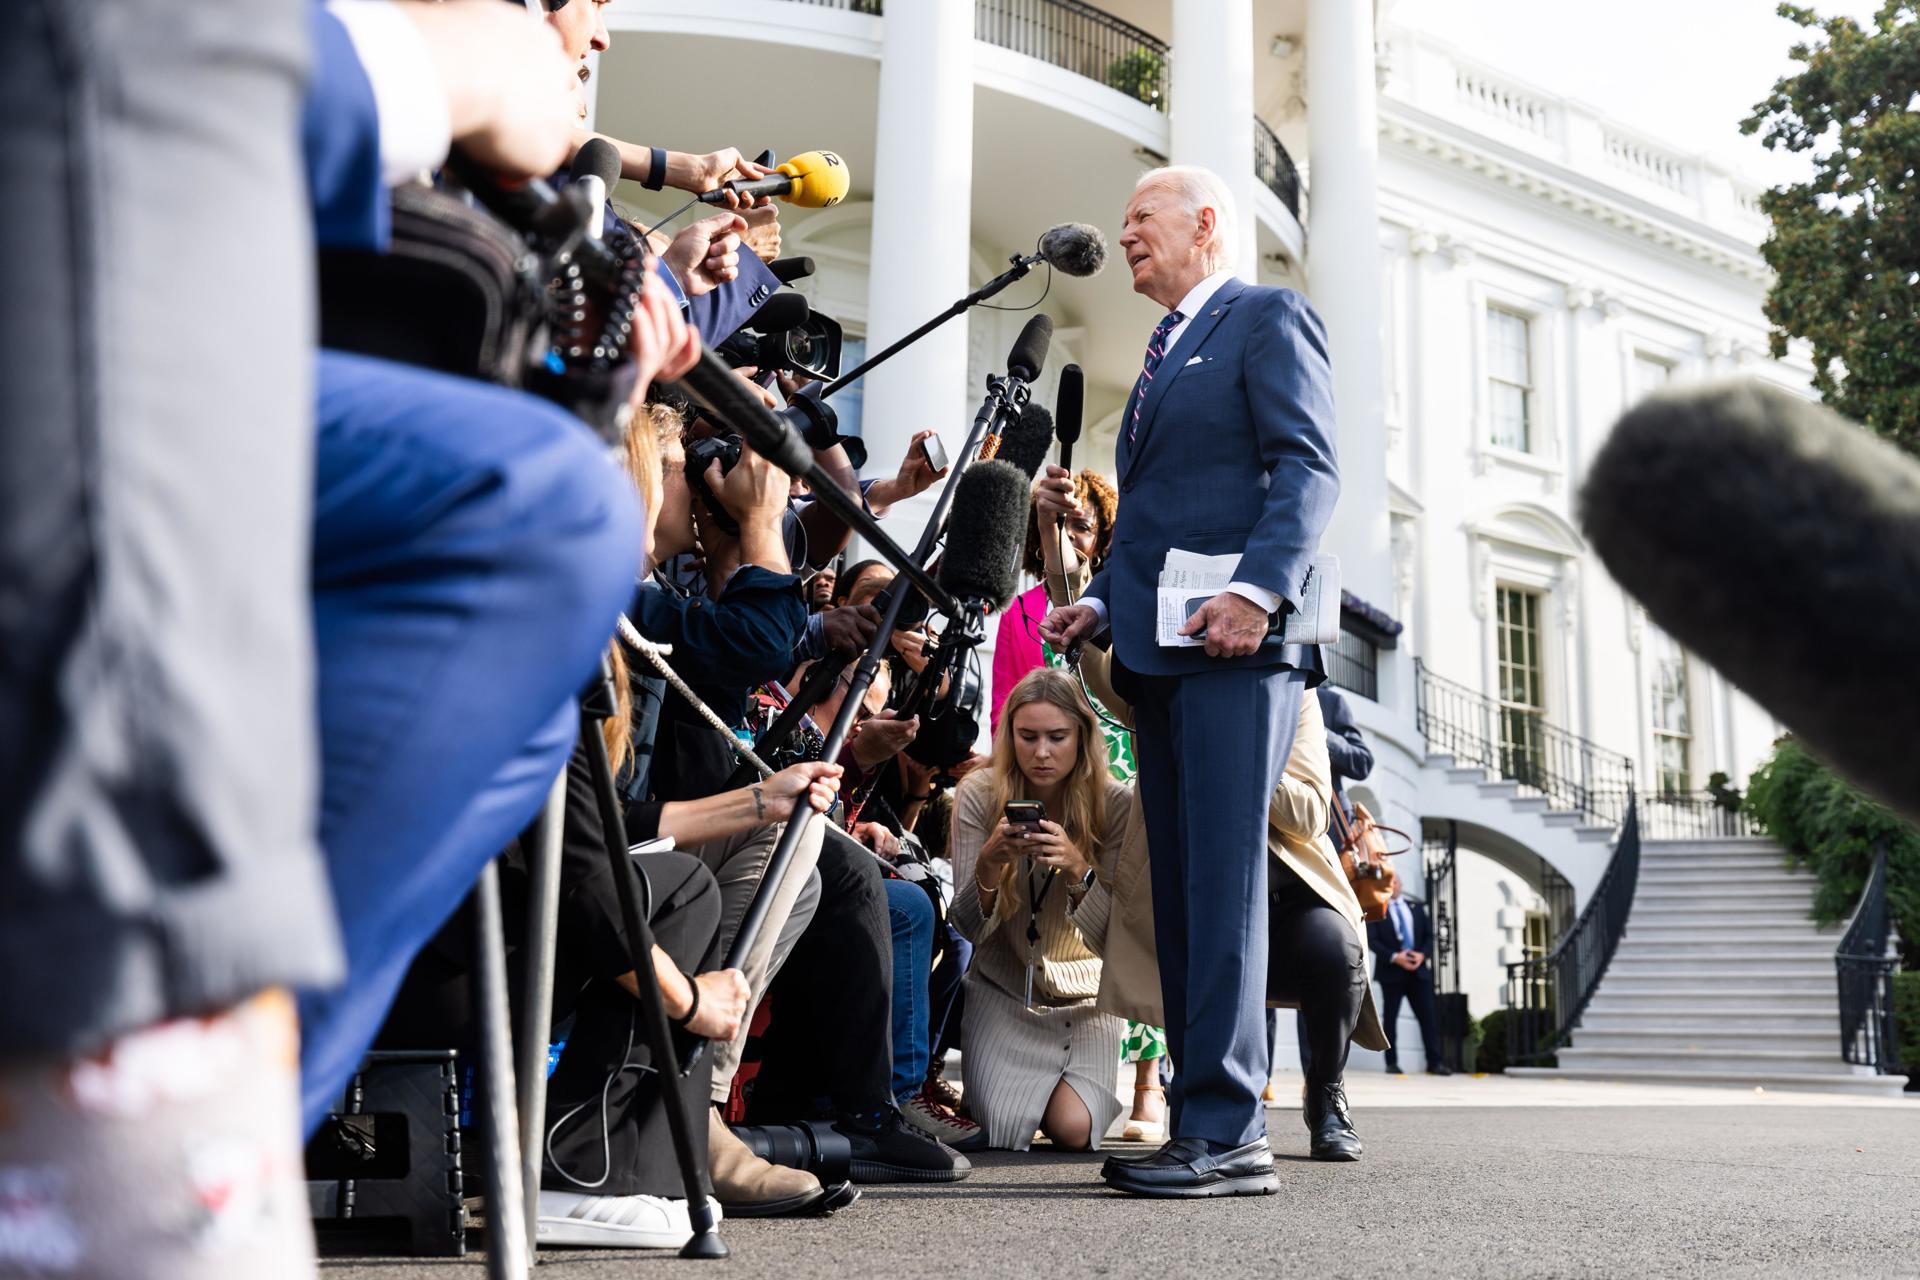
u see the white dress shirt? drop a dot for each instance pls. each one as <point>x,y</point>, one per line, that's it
<point>1190,306</point>
<point>416,127</point>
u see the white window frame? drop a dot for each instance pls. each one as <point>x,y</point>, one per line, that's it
<point>1545,456</point>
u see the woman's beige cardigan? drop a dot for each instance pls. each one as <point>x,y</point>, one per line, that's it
<point>1297,822</point>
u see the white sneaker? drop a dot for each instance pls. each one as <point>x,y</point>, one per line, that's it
<point>620,1222</point>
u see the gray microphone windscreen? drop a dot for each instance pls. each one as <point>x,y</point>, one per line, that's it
<point>986,534</point>
<point>1781,543</point>
<point>597,158</point>
<point>1028,441</point>
<point>1075,248</point>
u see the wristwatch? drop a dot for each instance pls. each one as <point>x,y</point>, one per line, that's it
<point>1083,886</point>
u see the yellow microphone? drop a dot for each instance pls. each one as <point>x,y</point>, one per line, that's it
<point>812,180</point>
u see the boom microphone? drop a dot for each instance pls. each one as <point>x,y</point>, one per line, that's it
<point>1029,354</point>
<point>1028,441</point>
<point>812,180</point>
<point>987,534</point>
<point>1781,543</point>
<point>1075,248</point>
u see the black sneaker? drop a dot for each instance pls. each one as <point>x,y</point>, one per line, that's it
<point>885,1149</point>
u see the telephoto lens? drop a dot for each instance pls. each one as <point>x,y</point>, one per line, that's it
<point>815,1146</point>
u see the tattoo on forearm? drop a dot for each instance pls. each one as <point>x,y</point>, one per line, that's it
<point>759,806</point>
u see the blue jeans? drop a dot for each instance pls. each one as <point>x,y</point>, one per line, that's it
<point>910,913</point>
<point>471,549</point>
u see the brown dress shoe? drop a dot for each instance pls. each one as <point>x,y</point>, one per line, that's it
<point>747,1186</point>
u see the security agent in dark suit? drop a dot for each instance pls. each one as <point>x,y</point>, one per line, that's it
<point>1402,946</point>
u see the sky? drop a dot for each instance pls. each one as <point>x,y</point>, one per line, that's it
<point>1685,72</point>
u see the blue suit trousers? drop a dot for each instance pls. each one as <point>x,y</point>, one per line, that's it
<point>472,547</point>
<point>1212,747</point>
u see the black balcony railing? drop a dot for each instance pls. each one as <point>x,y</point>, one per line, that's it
<point>1079,38</point>
<point>1274,167</point>
<point>851,6</point>
<point>1693,815</point>
<point>1354,665</point>
<point>1868,1036</point>
<point>1547,995</point>
<point>1575,775</point>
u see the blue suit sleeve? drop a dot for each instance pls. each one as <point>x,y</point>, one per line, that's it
<point>340,136</point>
<point>745,638</point>
<point>1347,749</point>
<point>1290,389</point>
<point>717,314</point>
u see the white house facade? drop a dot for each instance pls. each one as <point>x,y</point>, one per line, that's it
<point>1501,270</point>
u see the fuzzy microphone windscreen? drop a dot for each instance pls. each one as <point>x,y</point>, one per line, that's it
<point>1781,543</point>
<point>1028,441</point>
<point>1075,248</point>
<point>986,534</point>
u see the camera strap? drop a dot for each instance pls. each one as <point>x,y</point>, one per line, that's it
<point>1036,898</point>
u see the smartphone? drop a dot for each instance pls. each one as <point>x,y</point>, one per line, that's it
<point>1025,816</point>
<point>936,453</point>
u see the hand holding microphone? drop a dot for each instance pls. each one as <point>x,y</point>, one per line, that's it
<point>811,180</point>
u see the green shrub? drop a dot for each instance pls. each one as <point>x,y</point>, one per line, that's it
<point>1141,74</point>
<point>1831,828</point>
<point>1906,1021</point>
<point>1492,1031</point>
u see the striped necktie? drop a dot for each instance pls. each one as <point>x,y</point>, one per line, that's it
<point>1156,352</point>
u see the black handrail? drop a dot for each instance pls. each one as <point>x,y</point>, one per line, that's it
<point>1547,995</point>
<point>1082,39</point>
<point>1868,1034</point>
<point>1574,774</point>
<point>1274,167</point>
<point>1694,815</point>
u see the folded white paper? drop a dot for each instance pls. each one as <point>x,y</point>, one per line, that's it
<point>1188,580</point>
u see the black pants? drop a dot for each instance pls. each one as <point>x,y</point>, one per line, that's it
<point>831,1038</point>
<point>606,1127</point>
<point>1315,960</point>
<point>1396,984</point>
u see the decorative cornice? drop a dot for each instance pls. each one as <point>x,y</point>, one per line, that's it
<point>1531,179</point>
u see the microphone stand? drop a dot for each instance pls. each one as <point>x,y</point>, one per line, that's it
<point>1005,396</point>
<point>1022,266</point>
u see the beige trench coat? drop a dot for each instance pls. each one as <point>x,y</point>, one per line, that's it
<point>1297,821</point>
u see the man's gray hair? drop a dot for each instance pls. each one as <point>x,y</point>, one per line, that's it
<point>1201,188</point>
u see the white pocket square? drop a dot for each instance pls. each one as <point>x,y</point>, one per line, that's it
<point>1195,360</point>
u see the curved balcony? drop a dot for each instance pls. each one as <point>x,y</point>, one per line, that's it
<point>1098,46</point>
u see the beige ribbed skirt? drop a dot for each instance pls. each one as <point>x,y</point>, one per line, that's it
<point>1013,1057</point>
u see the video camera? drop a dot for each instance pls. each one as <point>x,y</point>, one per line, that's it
<point>787,334</point>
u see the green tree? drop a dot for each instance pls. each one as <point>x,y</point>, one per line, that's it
<point>1845,247</point>
<point>1832,828</point>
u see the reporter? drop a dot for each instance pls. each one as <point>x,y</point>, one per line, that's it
<point>1087,503</point>
<point>1036,905</point>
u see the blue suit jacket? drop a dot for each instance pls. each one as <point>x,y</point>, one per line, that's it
<point>1234,453</point>
<point>340,137</point>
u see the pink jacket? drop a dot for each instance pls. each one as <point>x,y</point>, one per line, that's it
<point>1016,649</point>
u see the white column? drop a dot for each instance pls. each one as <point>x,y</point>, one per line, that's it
<point>922,214</point>
<point>1212,104</point>
<point>1343,279</point>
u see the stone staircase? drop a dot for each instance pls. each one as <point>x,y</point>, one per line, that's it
<point>1721,979</point>
<point>1578,847</point>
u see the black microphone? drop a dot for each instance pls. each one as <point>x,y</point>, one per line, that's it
<point>787,270</point>
<point>1029,354</point>
<point>1067,408</point>
<point>1028,441</point>
<point>987,534</point>
<point>596,165</point>
<point>1075,248</point>
<point>781,311</point>
<point>1781,543</point>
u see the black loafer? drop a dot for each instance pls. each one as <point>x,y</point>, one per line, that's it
<point>1188,1168</point>
<point>1328,1126</point>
